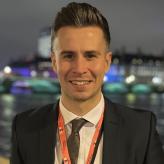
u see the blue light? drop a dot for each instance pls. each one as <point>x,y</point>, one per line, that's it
<point>25,72</point>
<point>115,74</point>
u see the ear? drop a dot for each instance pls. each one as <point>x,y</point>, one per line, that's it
<point>108,58</point>
<point>53,61</point>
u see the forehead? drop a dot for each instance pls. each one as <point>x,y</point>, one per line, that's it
<point>70,36</point>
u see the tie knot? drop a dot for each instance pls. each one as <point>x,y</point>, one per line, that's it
<point>77,124</point>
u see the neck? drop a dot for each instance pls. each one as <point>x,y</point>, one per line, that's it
<point>80,108</point>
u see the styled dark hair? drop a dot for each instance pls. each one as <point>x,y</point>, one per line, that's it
<point>80,15</point>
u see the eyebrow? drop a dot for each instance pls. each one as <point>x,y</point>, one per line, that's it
<point>93,52</point>
<point>69,52</point>
<point>85,52</point>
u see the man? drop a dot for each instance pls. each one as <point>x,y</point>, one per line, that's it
<point>108,133</point>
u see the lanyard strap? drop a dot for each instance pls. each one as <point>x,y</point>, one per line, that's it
<point>96,137</point>
<point>96,146</point>
<point>63,140</point>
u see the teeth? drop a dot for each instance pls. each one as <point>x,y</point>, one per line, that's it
<point>80,82</point>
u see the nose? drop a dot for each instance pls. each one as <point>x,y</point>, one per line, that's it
<point>80,65</point>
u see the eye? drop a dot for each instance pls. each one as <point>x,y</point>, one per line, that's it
<point>90,55</point>
<point>68,56</point>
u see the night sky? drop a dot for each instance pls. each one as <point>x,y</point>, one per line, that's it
<point>133,24</point>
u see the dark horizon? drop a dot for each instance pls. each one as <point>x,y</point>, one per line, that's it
<point>133,24</point>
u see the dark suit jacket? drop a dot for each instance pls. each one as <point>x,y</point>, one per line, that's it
<point>130,136</point>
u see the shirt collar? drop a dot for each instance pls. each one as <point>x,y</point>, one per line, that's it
<point>92,116</point>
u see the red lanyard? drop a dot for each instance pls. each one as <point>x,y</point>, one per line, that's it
<point>63,140</point>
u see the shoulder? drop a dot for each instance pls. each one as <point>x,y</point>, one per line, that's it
<point>35,113</point>
<point>134,113</point>
<point>131,117</point>
<point>127,111</point>
<point>35,118</point>
<point>134,124</point>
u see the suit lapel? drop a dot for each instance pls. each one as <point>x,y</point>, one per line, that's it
<point>111,134</point>
<point>48,137</point>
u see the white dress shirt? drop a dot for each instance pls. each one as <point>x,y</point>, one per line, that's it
<point>86,132</point>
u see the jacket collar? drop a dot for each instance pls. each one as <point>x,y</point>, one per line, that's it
<point>111,134</point>
<point>48,137</point>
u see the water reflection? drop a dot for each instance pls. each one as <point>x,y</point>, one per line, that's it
<point>10,105</point>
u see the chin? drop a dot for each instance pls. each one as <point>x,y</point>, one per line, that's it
<point>83,97</point>
<point>80,98</point>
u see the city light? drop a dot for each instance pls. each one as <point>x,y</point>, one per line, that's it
<point>105,78</point>
<point>46,74</point>
<point>156,80</point>
<point>115,61</point>
<point>130,79</point>
<point>7,70</point>
<point>33,73</point>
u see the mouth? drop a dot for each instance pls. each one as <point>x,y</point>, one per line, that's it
<point>80,82</point>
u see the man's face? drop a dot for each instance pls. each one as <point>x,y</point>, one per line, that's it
<point>80,59</point>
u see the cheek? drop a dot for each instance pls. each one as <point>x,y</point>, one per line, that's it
<point>62,69</point>
<point>98,72</point>
<point>100,67</point>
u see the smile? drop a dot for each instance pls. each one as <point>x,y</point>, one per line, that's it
<point>80,82</point>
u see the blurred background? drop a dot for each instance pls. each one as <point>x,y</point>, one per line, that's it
<point>135,78</point>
